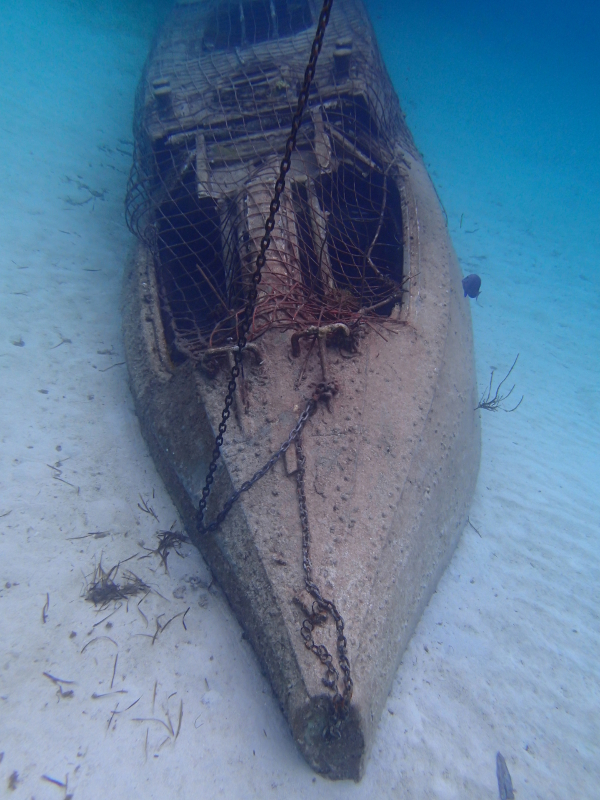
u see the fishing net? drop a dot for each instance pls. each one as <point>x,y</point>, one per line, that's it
<point>213,113</point>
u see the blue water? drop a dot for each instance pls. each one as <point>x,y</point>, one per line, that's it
<point>502,100</point>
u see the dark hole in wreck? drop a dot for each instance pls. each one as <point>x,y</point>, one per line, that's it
<point>199,265</point>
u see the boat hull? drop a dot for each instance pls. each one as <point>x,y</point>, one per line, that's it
<point>391,465</point>
<point>406,412</point>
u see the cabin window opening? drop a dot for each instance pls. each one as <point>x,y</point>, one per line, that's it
<point>195,269</point>
<point>364,233</point>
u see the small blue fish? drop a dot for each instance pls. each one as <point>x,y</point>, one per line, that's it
<point>472,286</point>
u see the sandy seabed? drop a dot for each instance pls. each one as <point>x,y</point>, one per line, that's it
<point>505,657</point>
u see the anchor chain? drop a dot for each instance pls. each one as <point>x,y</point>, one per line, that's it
<point>293,437</point>
<point>322,607</point>
<point>246,320</point>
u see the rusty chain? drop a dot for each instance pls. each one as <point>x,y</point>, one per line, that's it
<point>321,606</point>
<point>293,437</point>
<point>323,391</point>
<point>246,320</point>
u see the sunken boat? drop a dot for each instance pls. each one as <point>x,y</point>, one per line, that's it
<point>339,490</point>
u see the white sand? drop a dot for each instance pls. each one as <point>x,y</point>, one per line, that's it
<point>506,655</point>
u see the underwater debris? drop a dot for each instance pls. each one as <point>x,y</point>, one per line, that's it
<point>60,692</point>
<point>144,506</point>
<point>160,627</point>
<point>505,787</point>
<point>46,609</point>
<point>13,780</point>
<point>167,541</point>
<point>55,781</point>
<point>103,589</point>
<point>168,723</point>
<point>494,403</point>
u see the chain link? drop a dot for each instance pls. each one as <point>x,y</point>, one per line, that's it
<point>293,437</point>
<point>323,390</point>
<point>321,608</point>
<point>246,320</point>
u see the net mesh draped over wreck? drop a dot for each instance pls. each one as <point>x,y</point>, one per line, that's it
<point>213,113</point>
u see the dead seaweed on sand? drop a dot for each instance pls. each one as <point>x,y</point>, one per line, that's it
<point>494,402</point>
<point>103,588</point>
<point>167,541</point>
